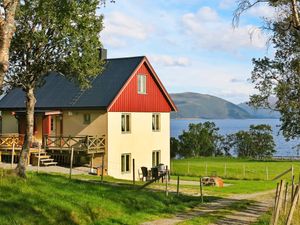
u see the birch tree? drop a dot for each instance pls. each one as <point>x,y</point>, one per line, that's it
<point>52,35</point>
<point>7,29</point>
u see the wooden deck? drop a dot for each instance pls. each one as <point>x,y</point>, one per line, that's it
<point>85,144</point>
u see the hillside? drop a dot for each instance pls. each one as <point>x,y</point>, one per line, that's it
<point>260,112</point>
<point>195,105</point>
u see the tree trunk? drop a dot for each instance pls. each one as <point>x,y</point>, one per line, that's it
<point>30,104</point>
<point>7,30</point>
<point>295,14</point>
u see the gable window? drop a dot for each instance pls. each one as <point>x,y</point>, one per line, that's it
<point>86,118</point>
<point>142,84</point>
<point>156,122</point>
<point>125,123</point>
<point>125,163</point>
<point>155,158</point>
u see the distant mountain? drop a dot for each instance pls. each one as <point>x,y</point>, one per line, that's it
<point>260,112</point>
<point>195,105</point>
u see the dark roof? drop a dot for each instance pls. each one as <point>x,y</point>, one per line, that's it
<point>58,92</point>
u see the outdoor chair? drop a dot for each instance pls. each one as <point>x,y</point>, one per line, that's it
<point>144,173</point>
<point>154,173</point>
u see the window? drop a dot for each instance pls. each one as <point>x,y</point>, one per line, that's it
<point>155,158</point>
<point>125,123</point>
<point>125,163</point>
<point>142,84</point>
<point>86,118</point>
<point>155,122</point>
<point>52,124</point>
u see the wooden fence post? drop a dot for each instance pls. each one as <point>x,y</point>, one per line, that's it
<point>13,154</point>
<point>133,171</point>
<point>276,194</point>
<point>71,162</point>
<point>293,188</point>
<point>294,203</point>
<point>167,180</point>
<point>178,186</point>
<point>188,165</point>
<point>39,158</point>
<point>201,189</point>
<point>267,173</point>
<point>285,197</point>
<point>279,203</point>
<point>102,169</point>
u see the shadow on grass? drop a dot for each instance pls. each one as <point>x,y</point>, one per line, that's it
<point>55,199</point>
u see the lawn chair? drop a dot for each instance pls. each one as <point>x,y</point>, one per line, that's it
<point>154,173</point>
<point>144,173</point>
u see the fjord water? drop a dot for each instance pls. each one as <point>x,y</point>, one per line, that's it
<point>228,126</point>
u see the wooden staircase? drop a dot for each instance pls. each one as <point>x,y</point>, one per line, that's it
<point>45,159</point>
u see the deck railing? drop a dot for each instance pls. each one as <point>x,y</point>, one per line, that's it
<point>8,140</point>
<point>89,144</point>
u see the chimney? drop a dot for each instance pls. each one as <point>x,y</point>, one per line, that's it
<point>102,54</point>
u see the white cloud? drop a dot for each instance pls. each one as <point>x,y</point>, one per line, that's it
<point>119,26</point>
<point>210,31</point>
<point>262,10</point>
<point>226,4</point>
<point>167,60</point>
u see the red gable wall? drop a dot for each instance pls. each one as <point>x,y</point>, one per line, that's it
<point>130,101</point>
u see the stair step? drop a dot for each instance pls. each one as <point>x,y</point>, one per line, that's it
<point>47,160</point>
<point>36,154</point>
<point>44,157</point>
<point>50,164</point>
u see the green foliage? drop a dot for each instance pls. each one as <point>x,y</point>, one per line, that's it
<point>258,142</point>
<point>280,75</point>
<point>55,35</point>
<point>200,140</point>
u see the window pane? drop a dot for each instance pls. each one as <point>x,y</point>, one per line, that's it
<point>157,157</point>
<point>127,123</point>
<point>123,123</point>
<point>122,163</point>
<point>157,122</point>
<point>153,159</point>
<point>145,86</point>
<point>127,163</point>
<point>153,122</point>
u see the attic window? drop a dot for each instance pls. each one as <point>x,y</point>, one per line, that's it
<point>142,84</point>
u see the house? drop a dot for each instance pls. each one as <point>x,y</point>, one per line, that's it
<point>125,115</point>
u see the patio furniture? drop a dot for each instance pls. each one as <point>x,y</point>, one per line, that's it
<point>154,173</point>
<point>144,173</point>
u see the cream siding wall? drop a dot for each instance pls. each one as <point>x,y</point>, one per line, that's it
<point>9,123</point>
<point>73,123</point>
<point>140,142</point>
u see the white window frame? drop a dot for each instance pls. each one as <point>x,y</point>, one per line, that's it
<point>125,123</point>
<point>142,84</point>
<point>156,158</point>
<point>125,168</point>
<point>156,122</point>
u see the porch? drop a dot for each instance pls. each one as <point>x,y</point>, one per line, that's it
<point>58,147</point>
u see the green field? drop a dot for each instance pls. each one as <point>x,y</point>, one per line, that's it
<point>232,168</point>
<point>54,199</point>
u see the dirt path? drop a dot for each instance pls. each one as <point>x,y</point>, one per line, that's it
<point>262,202</point>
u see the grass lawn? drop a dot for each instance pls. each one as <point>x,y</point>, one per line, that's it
<point>54,199</point>
<point>232,168</point>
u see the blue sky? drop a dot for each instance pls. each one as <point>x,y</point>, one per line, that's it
<point>190,43</point>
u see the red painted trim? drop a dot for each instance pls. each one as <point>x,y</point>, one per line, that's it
<point>160,85</point>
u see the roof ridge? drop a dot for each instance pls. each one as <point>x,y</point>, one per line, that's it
<point>130,57</point>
